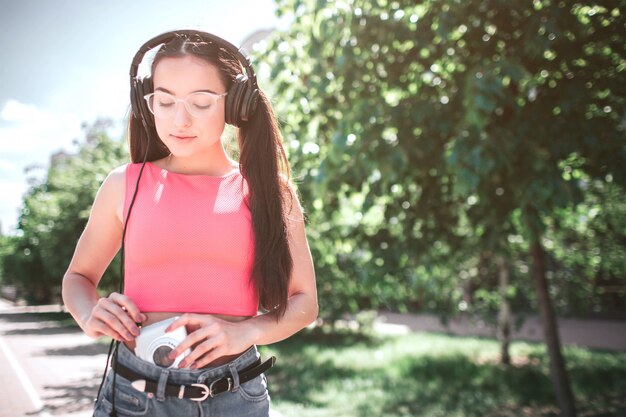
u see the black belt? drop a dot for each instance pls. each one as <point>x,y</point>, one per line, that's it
<point>195,392</point>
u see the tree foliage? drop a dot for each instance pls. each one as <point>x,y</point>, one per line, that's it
<point>423,137</point>
<point>426,134</point>
<point>54,213</point>
<point>427,128</point>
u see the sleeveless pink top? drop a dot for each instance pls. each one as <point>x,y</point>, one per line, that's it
<point>189,243</point>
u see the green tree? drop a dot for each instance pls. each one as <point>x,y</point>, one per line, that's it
<point>381,206</point>
<point>422,127</point>
<point>7,246</point>
<point>589,241</point>
<point>545,78</point>
<point>55,212</point>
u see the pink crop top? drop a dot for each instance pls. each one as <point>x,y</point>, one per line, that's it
<point>189,243</point>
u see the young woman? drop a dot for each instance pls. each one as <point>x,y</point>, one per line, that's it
<point>216,241</point>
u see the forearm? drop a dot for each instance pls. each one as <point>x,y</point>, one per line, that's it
<point>79,296</point>
<point>265,329</point>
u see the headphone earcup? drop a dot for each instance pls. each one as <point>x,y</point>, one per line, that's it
<point>144,86</point>
<point>240,101</point>
<point>134,103</point>
<point>233,101</point>
<point>249,102</point>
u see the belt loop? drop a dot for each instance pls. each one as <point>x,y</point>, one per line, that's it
<point>160,394</point>
<point>235,375</point>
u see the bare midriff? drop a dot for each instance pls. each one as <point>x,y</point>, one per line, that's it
<point>154,317</point>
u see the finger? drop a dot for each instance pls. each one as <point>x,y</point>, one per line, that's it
<point>113,322</point>
<point>190,320</point>
<point>129,306</point>
<point>134,329</point>
<point>121,313</point>
<point>199,352</point>
<point>192,339</point>
<point>115,329</point>
<point>183,320</point>
<point>102,329</point>
<point>209,357</point>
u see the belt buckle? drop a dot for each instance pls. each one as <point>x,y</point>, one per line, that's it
<point>206,392</point>
<point>230,385</point>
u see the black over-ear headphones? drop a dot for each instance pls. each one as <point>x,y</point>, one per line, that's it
<point>242,97</point>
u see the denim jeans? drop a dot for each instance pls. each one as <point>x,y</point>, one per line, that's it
<point>249,399</point>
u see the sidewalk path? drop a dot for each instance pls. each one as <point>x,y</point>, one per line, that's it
<point>47,369</point>
<point>593,333</point>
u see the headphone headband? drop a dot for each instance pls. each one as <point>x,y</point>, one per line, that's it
<point>168,36</point>
<point>242,96</point>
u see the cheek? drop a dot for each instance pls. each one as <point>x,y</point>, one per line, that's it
<point>217,122</point>
<point>161,128</point>
<point>219,116</point>
<point>218,130</point>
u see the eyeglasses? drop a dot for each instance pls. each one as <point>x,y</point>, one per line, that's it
<point>163,105</point>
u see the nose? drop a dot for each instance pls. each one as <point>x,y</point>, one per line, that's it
<point>182,118</point>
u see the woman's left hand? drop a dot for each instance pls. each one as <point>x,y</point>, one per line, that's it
<point>209,337</point>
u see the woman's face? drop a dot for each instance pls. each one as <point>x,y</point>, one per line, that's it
<point>184,134</point>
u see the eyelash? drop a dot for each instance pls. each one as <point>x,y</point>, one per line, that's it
<point>197,106</point>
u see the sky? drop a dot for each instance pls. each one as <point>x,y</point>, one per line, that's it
<point>66,62</point>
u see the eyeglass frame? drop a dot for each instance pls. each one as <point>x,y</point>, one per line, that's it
<point>147,97</point>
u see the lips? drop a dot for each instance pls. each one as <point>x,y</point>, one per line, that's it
<point>182,137</point>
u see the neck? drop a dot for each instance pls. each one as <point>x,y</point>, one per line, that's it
<point>207,163</point>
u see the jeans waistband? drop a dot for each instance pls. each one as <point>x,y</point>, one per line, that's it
<point>184,376</point>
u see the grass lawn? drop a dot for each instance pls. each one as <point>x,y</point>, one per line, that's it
<point>340,375</point>
<point>346,374</point>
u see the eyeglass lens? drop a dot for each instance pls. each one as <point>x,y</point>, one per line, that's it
<point>163,105</point>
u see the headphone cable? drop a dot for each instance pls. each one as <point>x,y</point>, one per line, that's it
<point>122,273</point>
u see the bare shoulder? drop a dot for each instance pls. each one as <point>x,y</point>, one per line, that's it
<point>117,175</point>
<point>112,191</point>
<point>115,182</point>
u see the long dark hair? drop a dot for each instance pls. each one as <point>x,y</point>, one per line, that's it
<point>263,164</point>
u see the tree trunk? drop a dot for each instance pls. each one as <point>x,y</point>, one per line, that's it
<point>558,371</point>
<point>504,318</point>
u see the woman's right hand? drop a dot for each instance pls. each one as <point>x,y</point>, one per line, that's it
<point>115,316</point>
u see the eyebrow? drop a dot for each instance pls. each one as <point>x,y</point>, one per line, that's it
<point>172,93</point>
